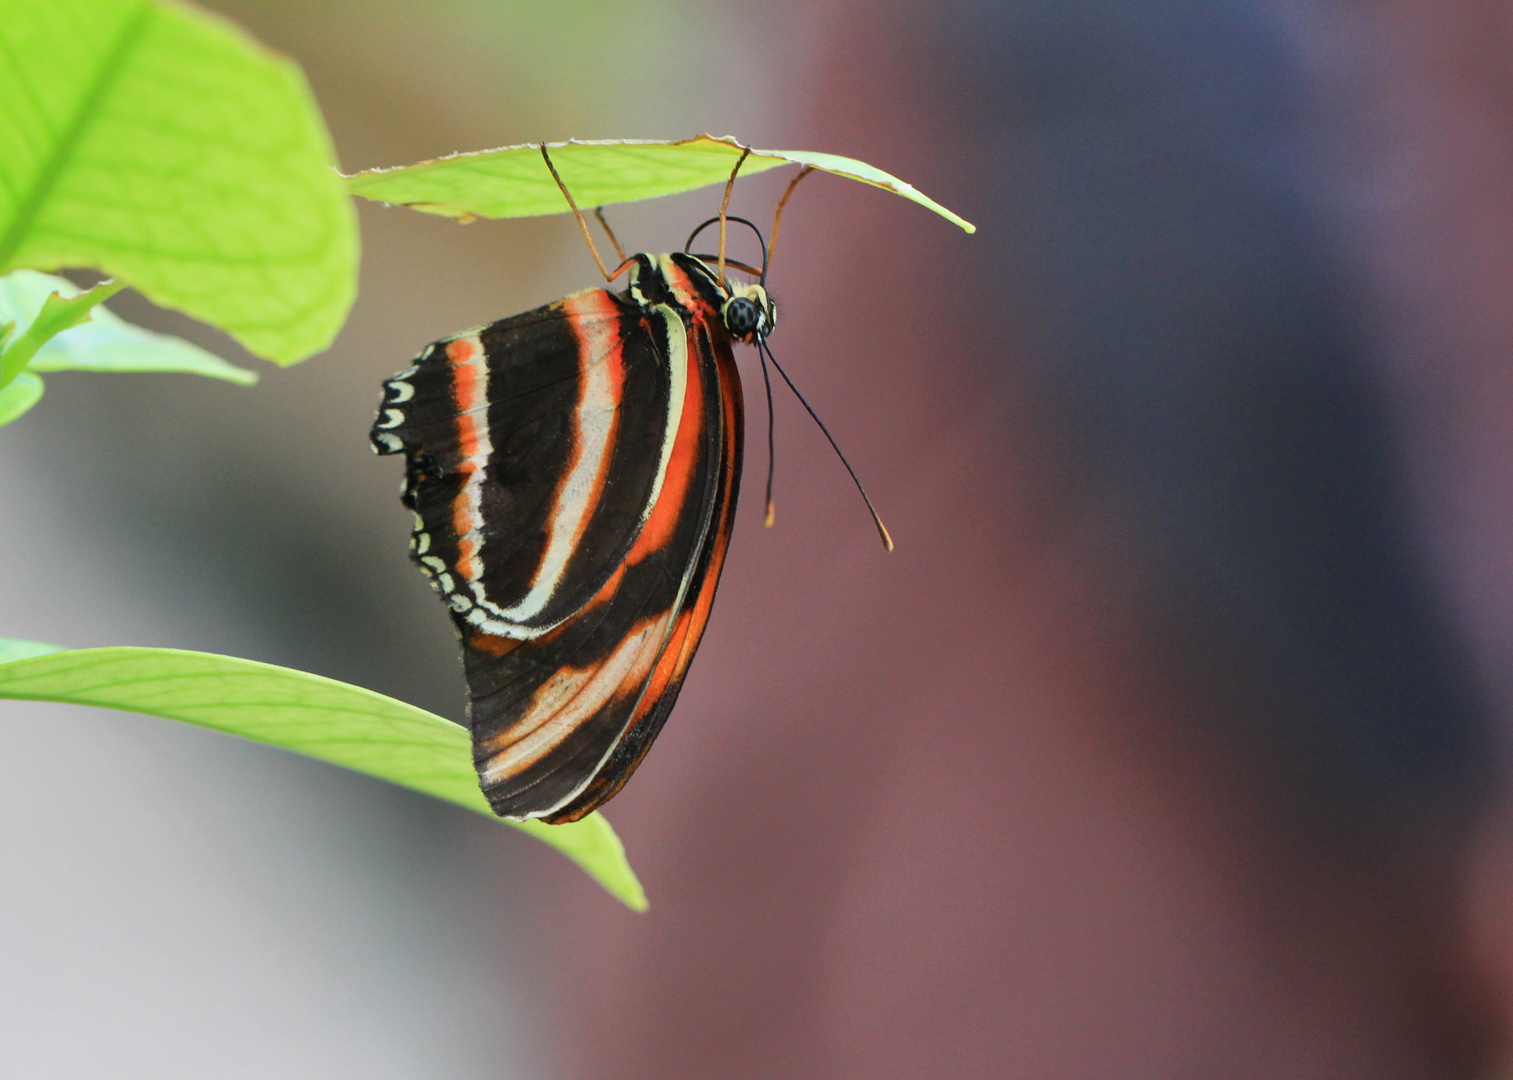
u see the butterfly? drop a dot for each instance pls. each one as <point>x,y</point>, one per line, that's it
<point>573,472</point>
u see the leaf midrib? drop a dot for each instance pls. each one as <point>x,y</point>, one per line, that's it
<point>47,177</point>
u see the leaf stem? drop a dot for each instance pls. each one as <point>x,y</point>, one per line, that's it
<point>57,315</point>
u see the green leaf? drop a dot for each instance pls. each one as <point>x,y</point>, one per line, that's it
<point>321,718</point>
<point>107,342</point>
<point>162,146</point>
<point>23,392</point>
<point>514,181</point>
<point>59,313</point>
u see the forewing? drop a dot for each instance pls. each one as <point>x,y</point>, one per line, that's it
<point>535,448</point>
<point>547,714</point>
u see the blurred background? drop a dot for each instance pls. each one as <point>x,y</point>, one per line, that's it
<point>1170,742</point>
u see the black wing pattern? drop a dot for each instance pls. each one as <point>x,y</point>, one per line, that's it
<point>534,450</point>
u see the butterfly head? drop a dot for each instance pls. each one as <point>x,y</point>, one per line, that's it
<point>748,312</point>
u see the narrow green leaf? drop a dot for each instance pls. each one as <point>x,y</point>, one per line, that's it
<point>107,342</point>
<point>161,145</point>
<point>59,313</point>
<point>321,718</point>
<point>24,391</point>
<point>514,181</point>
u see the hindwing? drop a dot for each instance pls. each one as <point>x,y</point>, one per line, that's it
<point>660,691</point>
<point>560,722</point>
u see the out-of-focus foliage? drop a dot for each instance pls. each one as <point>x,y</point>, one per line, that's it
<point>48,324</point>
<point>165,148</point>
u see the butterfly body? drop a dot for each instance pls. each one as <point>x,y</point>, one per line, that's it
<point>574,472</point>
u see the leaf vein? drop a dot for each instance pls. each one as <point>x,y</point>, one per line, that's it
<point>47,177</point>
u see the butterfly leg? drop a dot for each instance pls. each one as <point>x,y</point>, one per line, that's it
<point>725,205</point>
<point>583,225</point>
<point>777,217</point>
<point>599,213</point>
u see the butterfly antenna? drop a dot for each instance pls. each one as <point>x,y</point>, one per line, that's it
<point>882,530</point>
<point>725,205</point>
<point>582,224</point>
<point>599,213</point>
<point>771,452</point>
<point>777,217</point>
<point>760,275</point>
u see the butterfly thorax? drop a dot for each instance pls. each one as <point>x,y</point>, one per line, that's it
<point>690,285</point>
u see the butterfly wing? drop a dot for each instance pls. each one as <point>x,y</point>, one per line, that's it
<point>661,690</point>
<point>535,451</point>
<point>561,721</point>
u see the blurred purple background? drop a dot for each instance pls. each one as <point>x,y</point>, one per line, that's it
<point>1169,743</point>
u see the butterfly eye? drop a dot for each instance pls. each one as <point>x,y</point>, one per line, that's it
<point>742,317</point>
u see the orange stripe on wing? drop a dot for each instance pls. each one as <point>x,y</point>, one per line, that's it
<point>470,380</point>
<point>492,644</point>
<point>689,628</point>
<point>687,294</point>
<point>682,466</point>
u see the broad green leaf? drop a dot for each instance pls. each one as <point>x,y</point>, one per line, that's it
<point>107,342</point>
<point>319,717</point>
<point>59,313</point>
<point>514,181</point>
<point>162,146</point>
<point>24,391</point>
